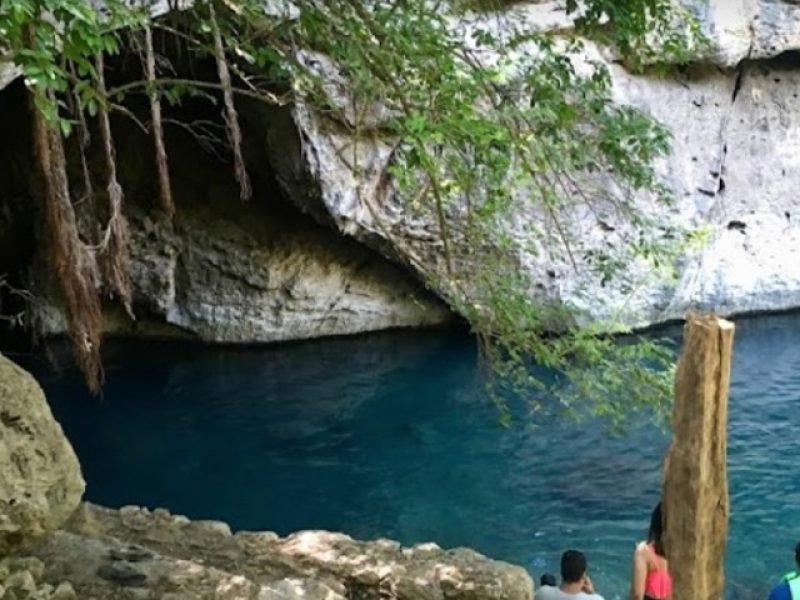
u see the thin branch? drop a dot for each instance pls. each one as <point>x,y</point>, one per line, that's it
<point>114,107</point>
<point>202,132</point>
<point>261,95</point>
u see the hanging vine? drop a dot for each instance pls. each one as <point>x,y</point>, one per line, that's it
<point>115,246</point>
<point>70,259</point>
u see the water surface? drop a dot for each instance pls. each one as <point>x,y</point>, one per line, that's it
<point>392,435</point>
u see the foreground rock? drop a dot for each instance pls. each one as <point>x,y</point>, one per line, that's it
<point>21,579</point>
<point>40,478</point>
<point>695,471</point>
<point>134,553</point>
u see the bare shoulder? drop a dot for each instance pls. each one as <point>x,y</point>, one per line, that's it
<point>641,549</point>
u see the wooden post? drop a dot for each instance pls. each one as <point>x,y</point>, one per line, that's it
<point>695,482</point>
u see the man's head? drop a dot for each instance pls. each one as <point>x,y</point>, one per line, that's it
<point>797,554</point>
<point>548,579</point>
<point>573,566</point>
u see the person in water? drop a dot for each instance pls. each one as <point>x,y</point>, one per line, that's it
<point>575,582</point>
<point>651,579</point>
<point>789,587</point>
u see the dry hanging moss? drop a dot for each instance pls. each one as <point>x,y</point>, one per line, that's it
<point>116,242</point>
<point>71,260</point>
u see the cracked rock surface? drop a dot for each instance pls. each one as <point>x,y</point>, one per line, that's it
<point>40,478</point>
<point>734,117</point>
<point>732,171</point>
<point>133,553</point>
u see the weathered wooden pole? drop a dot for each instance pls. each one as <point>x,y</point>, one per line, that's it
<point>695,479</point>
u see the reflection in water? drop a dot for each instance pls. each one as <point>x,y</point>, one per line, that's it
<point>392,435</point>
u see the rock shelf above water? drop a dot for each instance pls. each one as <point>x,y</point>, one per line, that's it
<point>139,554</point>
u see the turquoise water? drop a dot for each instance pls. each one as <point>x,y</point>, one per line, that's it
<point>392,435</point>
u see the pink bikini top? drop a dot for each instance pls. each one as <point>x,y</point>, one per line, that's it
<point>658,583</point>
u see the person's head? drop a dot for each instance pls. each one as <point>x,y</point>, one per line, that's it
<point>548,579</point>
<point>655,535</point>
<point>797,554</point>
<point>573,566</point>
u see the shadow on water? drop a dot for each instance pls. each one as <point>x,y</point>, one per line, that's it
<point>393,435</point>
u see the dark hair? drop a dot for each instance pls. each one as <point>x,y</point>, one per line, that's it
<point>797,554</point>
<point>548,579</point>
<point>656,534</point>
<point>573,566</point>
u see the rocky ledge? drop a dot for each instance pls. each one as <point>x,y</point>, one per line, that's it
<point>138,554</point>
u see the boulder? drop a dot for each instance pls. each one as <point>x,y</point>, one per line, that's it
<point>105,568</point>
<point>41,483</point>
<point>695,493</point>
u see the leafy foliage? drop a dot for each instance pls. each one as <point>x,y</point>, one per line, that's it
<point>491,122</point>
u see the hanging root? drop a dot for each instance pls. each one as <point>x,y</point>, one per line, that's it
<point>231,117</point>
<point>85,209</point>
<point>164,186</point>
<point>116,242</point>
<point>72,262</point>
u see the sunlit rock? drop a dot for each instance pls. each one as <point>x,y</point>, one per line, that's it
<point>40,478</point>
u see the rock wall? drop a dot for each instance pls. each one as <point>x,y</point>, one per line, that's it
<point>242,280</point>
<point>735,118</point>
<point>225,271</point>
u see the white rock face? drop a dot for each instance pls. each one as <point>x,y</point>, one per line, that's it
<point>8,73</point>
<point>227,281</point>
<point>733,170</point>
<point>735,154</point>
<point>736,29</point>
<point>755,29</point>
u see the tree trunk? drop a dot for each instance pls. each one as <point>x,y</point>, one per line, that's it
<point>157,128</point>
<point>695,493</point>
<point>230,115</point>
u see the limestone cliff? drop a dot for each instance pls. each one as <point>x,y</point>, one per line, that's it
<point>225,271</point>
<point>734,115</point>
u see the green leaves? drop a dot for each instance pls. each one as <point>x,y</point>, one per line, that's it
<point>506,138</point>
<point>520,125</point>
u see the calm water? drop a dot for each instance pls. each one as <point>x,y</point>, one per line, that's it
<point>392,435</point>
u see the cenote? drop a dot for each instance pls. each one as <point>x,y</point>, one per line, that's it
<point>392,435</point>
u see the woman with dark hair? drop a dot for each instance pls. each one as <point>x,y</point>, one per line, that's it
<point>651,579</point>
